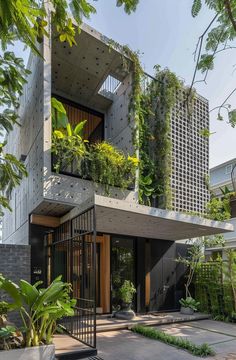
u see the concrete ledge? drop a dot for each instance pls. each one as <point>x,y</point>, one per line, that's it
<point>162,319</point>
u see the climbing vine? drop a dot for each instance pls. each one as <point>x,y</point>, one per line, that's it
<point>158,101</point>
<point>151,107</point>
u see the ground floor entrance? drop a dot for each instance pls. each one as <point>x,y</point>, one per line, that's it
<point>97,264</point>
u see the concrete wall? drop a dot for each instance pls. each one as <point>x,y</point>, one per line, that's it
<point>118,127</point>
<point>27,139</point>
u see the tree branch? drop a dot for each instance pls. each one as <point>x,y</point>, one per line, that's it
<point>230,13</point>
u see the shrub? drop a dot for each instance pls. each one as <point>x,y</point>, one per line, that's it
<point>197,350</point>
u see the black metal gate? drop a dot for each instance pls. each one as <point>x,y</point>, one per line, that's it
<point>72,254</point>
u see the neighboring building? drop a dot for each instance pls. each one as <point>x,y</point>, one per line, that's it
<point>220,177</point>
<point>97,241</point>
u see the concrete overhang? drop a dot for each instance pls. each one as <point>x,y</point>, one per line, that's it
<point>78,72</point>
<point>115,216</point>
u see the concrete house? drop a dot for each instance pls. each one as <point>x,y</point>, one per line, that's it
<point>72,226</point>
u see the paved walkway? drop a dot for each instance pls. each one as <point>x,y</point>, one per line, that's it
<point>105,323</point>
<point>125,345</point>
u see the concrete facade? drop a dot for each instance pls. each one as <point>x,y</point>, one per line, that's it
<point>44,192</point>
<point>78,73</point>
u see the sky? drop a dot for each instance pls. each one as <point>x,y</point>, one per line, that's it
<point>166,34</point>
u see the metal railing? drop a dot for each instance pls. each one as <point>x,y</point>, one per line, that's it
<point>109,87</point>
<point>82,325</point>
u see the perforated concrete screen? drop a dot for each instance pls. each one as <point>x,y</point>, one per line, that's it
<point>190,156</point>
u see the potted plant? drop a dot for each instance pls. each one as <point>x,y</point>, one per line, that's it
<point>188,306</point>
<point>126,294</point>
<point>39,309</point>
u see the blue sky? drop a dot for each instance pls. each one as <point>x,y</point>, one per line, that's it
<point>165,33</point>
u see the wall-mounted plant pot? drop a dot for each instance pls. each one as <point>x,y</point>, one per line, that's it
<point>44,352</point>
<point>186,310</point>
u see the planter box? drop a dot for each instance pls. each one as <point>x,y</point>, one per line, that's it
<point>45,352</point>
<point>186,311</point>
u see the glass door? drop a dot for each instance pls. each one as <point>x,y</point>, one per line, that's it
<point>122,266</point>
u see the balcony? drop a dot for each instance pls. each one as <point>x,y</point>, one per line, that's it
<point>79,149</point>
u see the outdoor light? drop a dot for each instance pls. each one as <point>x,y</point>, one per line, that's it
<point>233,177</point>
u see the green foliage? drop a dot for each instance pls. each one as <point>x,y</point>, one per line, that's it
<point>232,118</point>
<point>101,162</point>
<point>195,256</point>
<point>129,5</point>
<point>156,105</point>
<point>110,166</point>
<point>206,133</point>
<point>215,287</point>
<point>196,7</point>
<point>189,302</point>
<point>127,291</point>
<point>219,208</point>
<point>10,338</point>
<point>11,173</point>
<point>179,342</point>
<point>206,63</point>
<point>218,37</point>
<point>4,307</point>
<point>68,146</point>
<point>59,116</point>
<point>39,308</point>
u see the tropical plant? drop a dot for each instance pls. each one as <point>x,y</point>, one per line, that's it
<point>219,208</point>
<point>68,146</point>
<point>39,308</point>
<point>195,256</point>
<point>110,166</point>
<point>4,308</point>
<point>189,302</point>
<point>10,338</point>
<point>126,292</point>
<point>59,115</point>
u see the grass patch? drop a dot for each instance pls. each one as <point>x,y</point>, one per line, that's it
<point>197,350</point>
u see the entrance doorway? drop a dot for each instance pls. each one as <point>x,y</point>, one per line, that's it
<point>122,266</point>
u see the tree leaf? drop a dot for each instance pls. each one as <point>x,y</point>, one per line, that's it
<point>196,7</point>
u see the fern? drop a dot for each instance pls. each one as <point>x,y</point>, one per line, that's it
<point>197,4</point>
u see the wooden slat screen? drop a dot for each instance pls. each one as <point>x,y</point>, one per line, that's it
<point>75,116</point>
